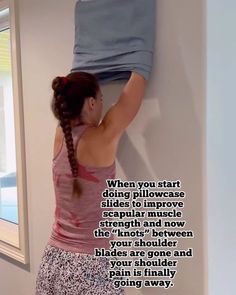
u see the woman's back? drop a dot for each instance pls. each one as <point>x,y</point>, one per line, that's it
<point>76,218</point>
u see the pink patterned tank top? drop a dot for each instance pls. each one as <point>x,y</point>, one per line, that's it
<point>77,218</point>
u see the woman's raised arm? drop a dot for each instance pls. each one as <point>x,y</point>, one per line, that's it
<point>121,114</point>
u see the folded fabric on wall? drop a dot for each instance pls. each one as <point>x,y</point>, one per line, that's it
<point>114,37</point>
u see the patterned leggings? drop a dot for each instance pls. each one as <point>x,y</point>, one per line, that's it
<point>66,273</point>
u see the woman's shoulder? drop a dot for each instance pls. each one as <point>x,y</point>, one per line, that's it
<point>93,149</point>
<point>58,140</point>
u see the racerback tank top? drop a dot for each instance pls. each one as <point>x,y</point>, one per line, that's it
<point>76,218</point>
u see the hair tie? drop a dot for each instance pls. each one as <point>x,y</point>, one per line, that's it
<point>64,80</point>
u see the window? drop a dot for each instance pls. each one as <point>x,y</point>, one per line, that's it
<point>13,217</point>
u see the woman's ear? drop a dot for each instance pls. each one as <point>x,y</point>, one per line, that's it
<point>91,102</point>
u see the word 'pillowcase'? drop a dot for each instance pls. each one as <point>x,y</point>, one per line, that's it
<point>114,37</point>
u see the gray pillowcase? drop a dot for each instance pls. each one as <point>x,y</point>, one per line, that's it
<point>114,37</point>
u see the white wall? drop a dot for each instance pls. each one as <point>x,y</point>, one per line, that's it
<point>166,140</point>
<point>221,145</point>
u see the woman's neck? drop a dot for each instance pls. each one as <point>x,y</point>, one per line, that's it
<point>77,122</point>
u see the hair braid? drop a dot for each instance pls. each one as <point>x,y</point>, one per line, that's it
<point>69,96</point>
<point>64,118</point>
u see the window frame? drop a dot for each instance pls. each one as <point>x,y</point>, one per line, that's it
<point>20,253</point>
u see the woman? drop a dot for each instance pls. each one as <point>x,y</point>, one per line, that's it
<point>84,157</point>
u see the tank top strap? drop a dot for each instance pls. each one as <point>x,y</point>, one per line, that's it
<point>77,132</point>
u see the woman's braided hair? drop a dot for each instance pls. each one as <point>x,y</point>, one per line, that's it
<point>68,100</point>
